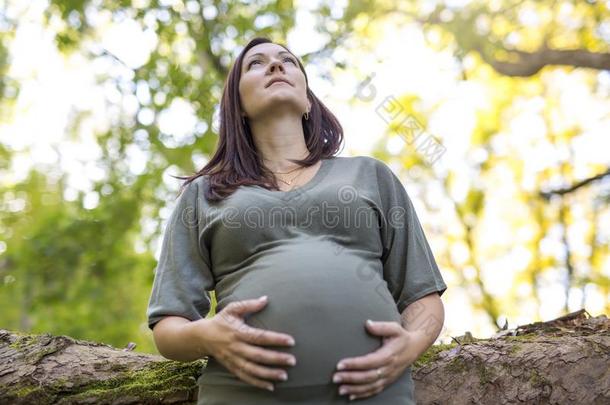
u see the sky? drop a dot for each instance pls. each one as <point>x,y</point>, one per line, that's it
<point>54,87</point>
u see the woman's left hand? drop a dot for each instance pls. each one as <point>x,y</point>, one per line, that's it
<point>375,371</point>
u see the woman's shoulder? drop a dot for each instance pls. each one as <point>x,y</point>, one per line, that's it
<point>366,162</point>
<point>194,188</point>
<point>199,182</point>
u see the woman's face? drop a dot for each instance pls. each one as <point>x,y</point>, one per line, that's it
<point>263,63</point>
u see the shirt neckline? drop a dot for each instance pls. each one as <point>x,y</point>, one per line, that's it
<point>320,174</point>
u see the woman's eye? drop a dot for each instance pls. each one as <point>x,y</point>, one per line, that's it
<point>287,58</point>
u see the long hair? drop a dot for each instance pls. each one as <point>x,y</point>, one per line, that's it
<point>236,161</point>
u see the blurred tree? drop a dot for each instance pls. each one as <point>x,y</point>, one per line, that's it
<point>524,42</point>
<point>87,273</point>
<point>519,38</point>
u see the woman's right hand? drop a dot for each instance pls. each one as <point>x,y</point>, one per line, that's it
<point>236,345</point>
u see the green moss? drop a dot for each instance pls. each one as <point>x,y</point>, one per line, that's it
<point>431,354</point>
<point>25,391</point>
<point>35,357</point>
<point>514,348</point>
<point>537,379</point>
<point>484,372</point>
<point>517,341</point>
<point>457,365</point>
<point>157,380</point>
<point>118,367</point>
<point>23,340</point>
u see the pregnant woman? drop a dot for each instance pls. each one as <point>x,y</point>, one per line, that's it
<point>329,242</point>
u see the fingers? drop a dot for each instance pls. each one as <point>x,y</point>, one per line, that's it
<point>359,377</point>
<point>367,393</point>
<point>264,356</point>
<point>240,364</point>
<point>245,376</point>
<point>361,389</point>
<point>375,360</point>
<point>258,371</point>
<point>388,329</point>
<point>244,307</point>
<point>379,357</point>
<point>363,384</point>
<point>264,337</point>
<point>242,353</point>
<point>253,335</point>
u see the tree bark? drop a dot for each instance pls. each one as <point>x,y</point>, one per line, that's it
<point>47,369</point>
<point>530,63</point>
<point>563,361</point>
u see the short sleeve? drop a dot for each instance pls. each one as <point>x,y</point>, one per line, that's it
<point>409,267</point>
<point>183,273</point>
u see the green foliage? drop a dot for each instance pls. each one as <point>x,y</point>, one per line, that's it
<point>76,271</point>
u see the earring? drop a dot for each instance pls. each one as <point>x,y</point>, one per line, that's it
<point>307,115</point>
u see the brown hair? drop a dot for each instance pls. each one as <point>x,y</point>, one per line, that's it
<point>236,161</point>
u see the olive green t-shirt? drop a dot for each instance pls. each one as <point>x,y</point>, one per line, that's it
<point>345,247</point>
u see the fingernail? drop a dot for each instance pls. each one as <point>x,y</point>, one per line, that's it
<point>342,390</point>
<point>352,397</point>
<point>369,322</point>
<point>337,379</point>
<point>290,342</point>
<point>270,388</point>
<point>263,298</point>
<point>340,366</point>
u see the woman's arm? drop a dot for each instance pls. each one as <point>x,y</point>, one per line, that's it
<point>175,339</point>
<point>424,318</point>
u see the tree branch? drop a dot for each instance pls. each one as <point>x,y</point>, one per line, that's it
<point>561,191</point>
<point>530,63</point>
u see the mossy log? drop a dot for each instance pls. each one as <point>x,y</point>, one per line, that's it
<point>47,369</point>
<point>563,361</point>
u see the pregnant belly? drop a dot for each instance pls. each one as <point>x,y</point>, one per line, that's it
<point>322,297</point>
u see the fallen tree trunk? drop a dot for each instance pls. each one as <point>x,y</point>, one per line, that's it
<point>563,361</point>
<point>46,369</point>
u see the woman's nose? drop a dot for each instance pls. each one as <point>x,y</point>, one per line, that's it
<point>274,64</point>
